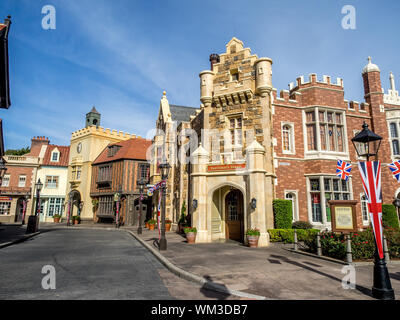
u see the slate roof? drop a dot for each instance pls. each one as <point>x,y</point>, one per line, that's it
<point>181,113</point>
<point>63,158</point>
<point>134,149</point>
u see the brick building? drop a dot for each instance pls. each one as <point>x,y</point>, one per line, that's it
<point>252,145</point>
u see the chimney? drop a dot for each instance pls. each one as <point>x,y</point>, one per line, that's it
<point>214,58</point>
<point>37,143</point>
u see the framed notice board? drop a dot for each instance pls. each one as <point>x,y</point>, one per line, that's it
<point>343,215</point>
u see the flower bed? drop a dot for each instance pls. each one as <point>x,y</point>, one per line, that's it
<point>362,244</point>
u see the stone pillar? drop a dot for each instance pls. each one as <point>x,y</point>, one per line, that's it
<point>201,219</point>
<point>257,218</point>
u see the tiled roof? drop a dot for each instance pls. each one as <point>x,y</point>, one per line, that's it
<point>181,113</point>
<point>63,157</point>
<point>134,149</point>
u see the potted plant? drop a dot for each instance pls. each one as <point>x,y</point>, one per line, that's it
<point>252,237</point>
<point>191,233</point>
<point>57,218</point>
<point>146,224</point>
<point>76,219</point>
<point>152,224</point>
<point>168,225</point>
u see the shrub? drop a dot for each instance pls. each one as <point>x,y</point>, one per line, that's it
<point>253,232</point>
<point>78,218</point>
<point>282,213</point>
<point>57,216</point>
<point>362,244</point>
<point>190,229</point>
<point>389,216</point>
<point>301,225</point>
<point>168,221</point>
<point>287,235</point>
<point>152,221</point>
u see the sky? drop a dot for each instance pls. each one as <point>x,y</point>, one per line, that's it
<point>120,55</point>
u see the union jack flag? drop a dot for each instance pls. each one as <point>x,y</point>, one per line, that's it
<point>370,172</point>
<point>343,169</point>
<point>395,168</point>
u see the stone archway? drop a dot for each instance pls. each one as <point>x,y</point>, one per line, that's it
<point>227,213</point>
<point>75,200</point>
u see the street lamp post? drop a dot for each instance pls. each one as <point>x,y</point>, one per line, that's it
<point>34,219</point>
<point>141,184</point>
<point>117,199</point>
<point>367,144</point>
<point>164,169</point>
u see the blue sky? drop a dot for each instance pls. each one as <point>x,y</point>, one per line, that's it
<point>120,55</point>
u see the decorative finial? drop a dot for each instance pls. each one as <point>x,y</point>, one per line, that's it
<point>369,59</point>
<point>164,93</point>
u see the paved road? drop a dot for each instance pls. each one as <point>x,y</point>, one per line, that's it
<point>89,264</point>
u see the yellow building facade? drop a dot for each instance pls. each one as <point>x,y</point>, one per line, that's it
<point>86,145</point>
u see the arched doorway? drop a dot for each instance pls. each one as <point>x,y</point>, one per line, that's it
<point>234,215</point>
<point>75,200</point>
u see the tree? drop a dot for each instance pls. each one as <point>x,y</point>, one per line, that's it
<point>17,152</point>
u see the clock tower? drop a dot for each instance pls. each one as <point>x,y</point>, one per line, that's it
<point>93,118</point>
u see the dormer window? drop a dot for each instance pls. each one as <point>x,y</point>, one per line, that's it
<point>55,156</point>
<point>112,150</point>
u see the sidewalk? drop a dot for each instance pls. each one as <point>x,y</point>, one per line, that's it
<point>11,233</point>
<point>273,272</point>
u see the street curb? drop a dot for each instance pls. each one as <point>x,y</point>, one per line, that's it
<point>192,277</point>
<point>24,238</point>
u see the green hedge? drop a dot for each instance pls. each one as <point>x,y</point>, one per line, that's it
<point>389,216</point>
<point>282,214</point>
<point>287,235</point>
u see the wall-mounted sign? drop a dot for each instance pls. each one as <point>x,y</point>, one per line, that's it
<point>343,215</point>
<point>226,167</point>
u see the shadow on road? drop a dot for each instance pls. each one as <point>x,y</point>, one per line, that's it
<point>211,293</point>
<point>363,290</point>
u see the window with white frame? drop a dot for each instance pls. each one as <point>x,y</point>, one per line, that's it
<point>394,138</point>
<point>325,130</point>
<point>21,181</point>
<point>55,156</point>
<point>51,182</point>
<point>323,189</point>
<point>55,206</point>
<point>287,138</point>
<point>6,181</point>
<point>289,195</point>
<point>364,208</point>
<point>76,172</point>
<point>5,208</point>
<point>235,127</point>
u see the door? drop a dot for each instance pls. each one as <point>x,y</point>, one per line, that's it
<point>19,210</point>
<point>234,215</point>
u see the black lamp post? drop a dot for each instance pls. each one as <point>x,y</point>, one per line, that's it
<point>141,183</point>
<point>164,169</point>
<point>367,144</point>
<point>34,219</point>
